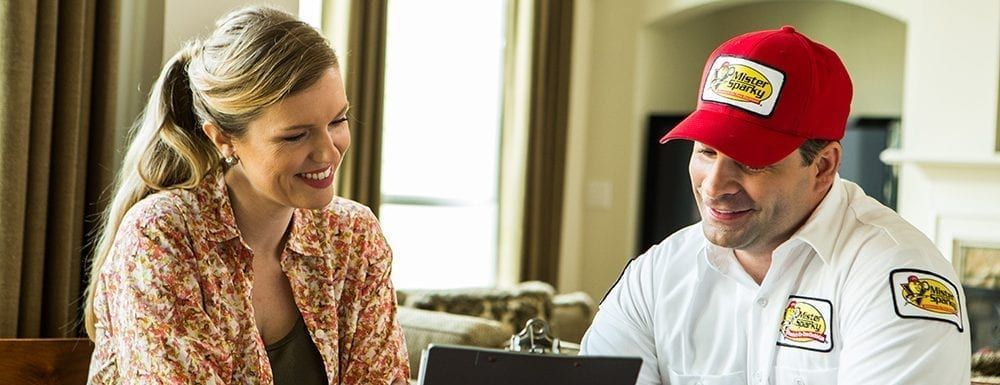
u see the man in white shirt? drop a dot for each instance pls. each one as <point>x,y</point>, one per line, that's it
<point>793,276</point>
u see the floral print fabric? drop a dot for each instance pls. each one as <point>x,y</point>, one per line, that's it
<point>173,300</point>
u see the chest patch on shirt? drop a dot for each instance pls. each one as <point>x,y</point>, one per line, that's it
<point>806,324</point>
<point>925,295</point>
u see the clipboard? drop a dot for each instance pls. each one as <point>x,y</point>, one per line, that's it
<point>464,365</point>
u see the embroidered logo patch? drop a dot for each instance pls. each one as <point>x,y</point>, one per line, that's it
<point>922,294</point>
<point>744,84</point>
<point>806,324</point>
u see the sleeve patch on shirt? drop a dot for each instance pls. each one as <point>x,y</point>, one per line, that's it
<point>806,324</point>
<point>925,295</point>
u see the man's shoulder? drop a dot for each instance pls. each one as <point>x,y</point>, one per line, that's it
<point>683,243</point>
<point>674,256</point>
<point>879,241</point>
<point>871,229</point>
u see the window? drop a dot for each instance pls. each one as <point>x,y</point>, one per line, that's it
<point>441,140</point>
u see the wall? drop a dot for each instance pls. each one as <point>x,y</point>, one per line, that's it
<point>870,44</point>
<point>152,31</point>
<point>186,19</point>
<point>906,58</point>
<point>600,226</point>
<point>950,168</point>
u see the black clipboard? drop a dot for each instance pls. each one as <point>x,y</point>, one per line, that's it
<point>464,365</point>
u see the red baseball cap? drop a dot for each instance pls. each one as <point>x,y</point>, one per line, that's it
<point>765,93</point>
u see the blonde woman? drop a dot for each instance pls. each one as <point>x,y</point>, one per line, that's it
<point>225,257</point>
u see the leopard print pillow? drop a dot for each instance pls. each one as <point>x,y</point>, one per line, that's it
<point>513,307</point>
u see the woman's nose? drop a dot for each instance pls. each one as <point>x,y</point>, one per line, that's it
<point>325,151</point>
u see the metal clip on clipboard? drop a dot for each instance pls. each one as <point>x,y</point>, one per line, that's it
<point>537,338</point>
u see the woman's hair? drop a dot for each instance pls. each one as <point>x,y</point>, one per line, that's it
<point>255,57</point>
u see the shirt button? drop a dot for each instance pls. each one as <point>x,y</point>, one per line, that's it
<point>757,376</point>
<point>762,302</point>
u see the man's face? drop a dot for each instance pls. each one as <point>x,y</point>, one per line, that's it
<point>753,210</point>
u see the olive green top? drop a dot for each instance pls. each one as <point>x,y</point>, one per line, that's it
<point>295,359</point>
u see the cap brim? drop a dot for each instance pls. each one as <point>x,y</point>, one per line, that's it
<point>743,141</point>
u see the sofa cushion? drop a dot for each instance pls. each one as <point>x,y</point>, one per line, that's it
<point>512,307</point>
<point>423,327</point>
<point>572,314</point>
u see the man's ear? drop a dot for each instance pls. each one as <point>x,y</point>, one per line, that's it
<point>826,164</point>
<point>222,141</point>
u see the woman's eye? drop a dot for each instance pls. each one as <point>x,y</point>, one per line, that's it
<point>295,138</point>
<point>337,122</point>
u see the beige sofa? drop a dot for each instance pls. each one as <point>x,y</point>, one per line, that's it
<point>488,317</point>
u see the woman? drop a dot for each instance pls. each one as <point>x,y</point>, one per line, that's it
<point>225,257</point>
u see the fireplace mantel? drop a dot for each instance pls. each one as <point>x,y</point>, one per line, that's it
<point>895,157</point>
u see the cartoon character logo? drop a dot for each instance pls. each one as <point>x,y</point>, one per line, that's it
<point>802,322</point>
<point>741,83</point>
<point>929,294</point>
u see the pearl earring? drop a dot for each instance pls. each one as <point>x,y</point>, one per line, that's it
<point>231,160</point>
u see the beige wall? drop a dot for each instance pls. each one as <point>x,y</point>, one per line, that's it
<point>152,31</point>
<point>141,43</point>
<point>870,44</point>
<point>906,58</point>
<point>950,178</point>
<point>599,227</point>
<point>186,19</point>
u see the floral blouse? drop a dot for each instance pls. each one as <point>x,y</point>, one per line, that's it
<point>173,299</point>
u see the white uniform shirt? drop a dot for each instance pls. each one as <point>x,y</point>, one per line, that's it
<point>856,296</point>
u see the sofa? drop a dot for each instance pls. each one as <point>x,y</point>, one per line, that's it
<point>488,317</point>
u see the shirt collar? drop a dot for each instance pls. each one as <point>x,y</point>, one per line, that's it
<point>307,230</point>
<point>217,212</point>
<point>220,222</point>
<point>822,230</point>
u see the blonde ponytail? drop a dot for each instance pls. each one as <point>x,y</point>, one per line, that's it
<point>255,57</point>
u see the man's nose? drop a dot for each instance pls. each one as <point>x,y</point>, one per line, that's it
<point>721,179</point>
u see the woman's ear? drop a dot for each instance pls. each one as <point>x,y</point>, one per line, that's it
<point>826,164</point>
<point>222,141</point>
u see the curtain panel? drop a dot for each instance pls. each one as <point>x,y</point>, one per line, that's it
<point>548,117</point>
<point>359,175</point>
<point>57,111</point>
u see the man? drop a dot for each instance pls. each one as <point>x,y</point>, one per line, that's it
<point>793,276</point>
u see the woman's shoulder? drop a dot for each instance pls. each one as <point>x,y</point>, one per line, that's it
<point>346,208</point>
<point>155,231</point>
<point>343,212</point>
<point>168,208</point>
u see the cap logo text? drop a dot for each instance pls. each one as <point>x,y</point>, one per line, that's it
<point>743,83</point>
<point>740,82</point>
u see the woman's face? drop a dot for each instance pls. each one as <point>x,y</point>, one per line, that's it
<point>289,154</point>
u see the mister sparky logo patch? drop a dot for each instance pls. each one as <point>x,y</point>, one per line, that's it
<point>744,84</point>
<point>806,324</point>
<point>922,294</point>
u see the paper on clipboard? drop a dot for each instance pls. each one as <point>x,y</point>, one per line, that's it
<point>464,365</point>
